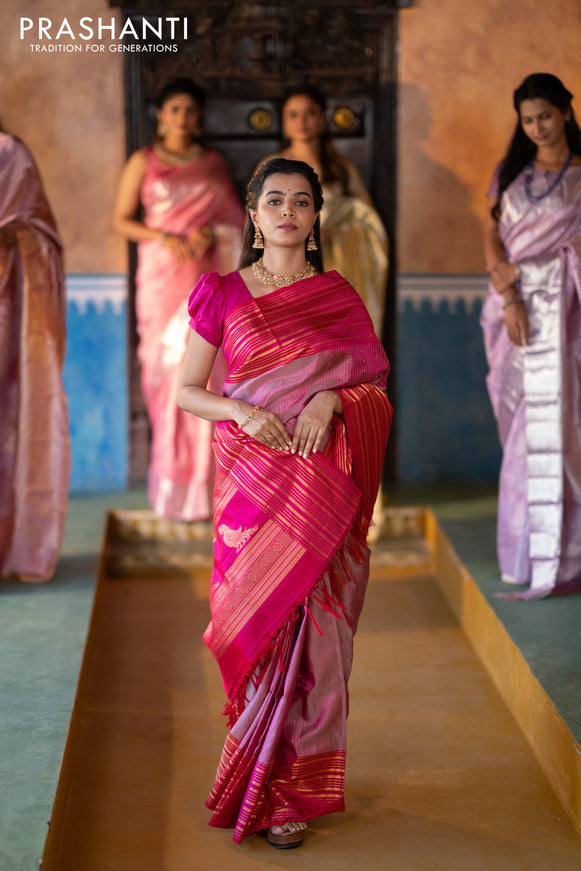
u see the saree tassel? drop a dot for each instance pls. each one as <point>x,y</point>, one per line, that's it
<point>335,578</point>
<point>315,624</point>
<point>324,603</point>
<point>355,542</point>
<point>357,550</point>
<point>343,562</point>
<point>255,674</point>
<point>232,712</point>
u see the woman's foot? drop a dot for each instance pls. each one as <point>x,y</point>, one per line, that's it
<point>287,836</point>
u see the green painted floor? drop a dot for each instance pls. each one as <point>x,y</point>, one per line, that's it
<point>43,628</point>
<point>42,635</point>
<point>546,631</point>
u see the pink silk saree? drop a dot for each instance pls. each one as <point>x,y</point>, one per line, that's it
<point>34,433</point>
<point>535,390</point>
<point>290,559</point>
<point>180,200</point>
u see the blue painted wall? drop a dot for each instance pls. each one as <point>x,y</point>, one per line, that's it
<point>95,380</point>
<point>446,429</point>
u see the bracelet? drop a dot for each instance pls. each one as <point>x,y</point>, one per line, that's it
<point>250,416</point>
<point>510,301</point>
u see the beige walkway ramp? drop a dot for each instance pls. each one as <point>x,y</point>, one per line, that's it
<point>439,776</point>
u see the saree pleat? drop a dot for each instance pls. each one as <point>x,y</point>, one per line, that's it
<point>290,559</point>
<point>284,758</point>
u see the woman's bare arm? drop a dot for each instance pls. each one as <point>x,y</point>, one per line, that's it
<point>127,203</point>
<point>504,276</point>
<point>194,397</point>
<point>502,273</point>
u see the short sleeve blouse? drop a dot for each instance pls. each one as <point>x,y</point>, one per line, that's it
<point>211,300</point>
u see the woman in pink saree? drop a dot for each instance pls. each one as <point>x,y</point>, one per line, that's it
<point>532,330</point>
<point>34,432</point>
<point>192,223</point>
<point>301,432</point>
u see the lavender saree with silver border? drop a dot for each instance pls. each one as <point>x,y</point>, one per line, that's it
<point>536,390</point>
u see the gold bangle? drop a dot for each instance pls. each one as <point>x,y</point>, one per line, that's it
<point>510,301</point>
<point>250,416</point>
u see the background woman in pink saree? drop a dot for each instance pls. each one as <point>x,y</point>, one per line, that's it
<point>192,223</point>
<point>34,432</point>
<point>532,330</point>
<point>301,433</point>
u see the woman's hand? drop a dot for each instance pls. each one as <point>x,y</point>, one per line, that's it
<point>199,241</point>
<point>516,321</point>
<point>265,427</point>
<point>503,275</point>
<point>313,422</point>
<point>178,246</point>
<point>186,248</point>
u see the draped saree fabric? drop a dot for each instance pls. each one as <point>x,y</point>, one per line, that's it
<point>535,390</point>
<point>180,200</point>
<point>355,242</point>
<point>290,559</point>
<point>34,435</point>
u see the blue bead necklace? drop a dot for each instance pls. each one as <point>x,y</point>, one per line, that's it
<point>529,173</point>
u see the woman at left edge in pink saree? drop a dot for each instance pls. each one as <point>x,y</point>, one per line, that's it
<point>34,431</point>
<point>192,222</point>
<point>301,431</point>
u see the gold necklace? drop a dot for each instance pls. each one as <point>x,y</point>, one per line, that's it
<point>273,279</point>
<point>193,152</point>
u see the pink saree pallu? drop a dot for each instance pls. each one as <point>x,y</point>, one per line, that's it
<point>535,390</point>
<point>180,200</point>
<point>290,559</point>
<point>34,431</point>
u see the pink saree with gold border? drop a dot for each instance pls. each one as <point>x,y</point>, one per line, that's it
<point>290,559</point>
<point>180,200</point>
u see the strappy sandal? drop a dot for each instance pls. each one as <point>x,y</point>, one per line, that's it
<point>286,840</point>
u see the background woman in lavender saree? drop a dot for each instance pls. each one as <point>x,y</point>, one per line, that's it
<point>532,330</point>
<point>301,432</point>
<point>192,223</point>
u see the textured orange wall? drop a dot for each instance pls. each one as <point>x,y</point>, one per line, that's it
<point>460,61</point>
<point>68,109</point>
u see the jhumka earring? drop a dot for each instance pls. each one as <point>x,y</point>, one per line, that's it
<point>311,243</point>
<point>258,240</point>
